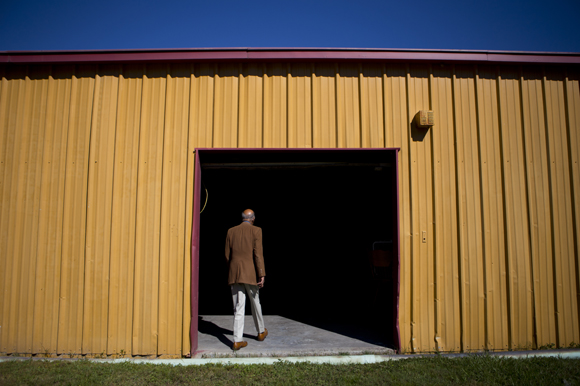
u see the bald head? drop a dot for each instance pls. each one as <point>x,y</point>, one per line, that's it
<point>248,215</point>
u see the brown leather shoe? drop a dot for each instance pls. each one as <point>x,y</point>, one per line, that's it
<point>263,335</point>
<point>239,345</point>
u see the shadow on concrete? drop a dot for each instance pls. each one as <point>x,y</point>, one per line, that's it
<point>210,328</point>
<point>364,330</point>
<point>213,329</point>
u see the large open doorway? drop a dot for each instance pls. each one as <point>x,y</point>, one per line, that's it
<point>322,213</point>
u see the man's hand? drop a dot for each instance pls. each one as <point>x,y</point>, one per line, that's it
<point>261,282</point>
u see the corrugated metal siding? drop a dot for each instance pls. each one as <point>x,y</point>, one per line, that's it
<point>72,275</point>
<point>50,227</point>
<point>494,253</point>
<point>275,106</point>
<point>572,95</point>
<point>174,249</point>
<point>96,193</point>
<point>445,237</point>
<point>122,273</point>
<point>99,211</point>
<point>560,184</point>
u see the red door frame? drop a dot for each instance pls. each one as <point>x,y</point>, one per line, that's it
<point>196,217</point>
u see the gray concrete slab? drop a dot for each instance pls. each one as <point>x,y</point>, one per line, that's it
<point>286,337</point>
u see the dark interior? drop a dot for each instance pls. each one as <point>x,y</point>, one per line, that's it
<point>320,214</point>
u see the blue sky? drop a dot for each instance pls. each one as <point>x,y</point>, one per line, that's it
<point>107,24</point>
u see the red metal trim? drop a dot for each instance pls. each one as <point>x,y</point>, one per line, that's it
<point>291,150</point>
<point>196,216</point>
<point>398,289</point>
<point>116,57</point>
<point>195,255</point>
<point>294,54</point>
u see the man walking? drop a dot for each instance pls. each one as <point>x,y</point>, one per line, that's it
<point>245,263</point>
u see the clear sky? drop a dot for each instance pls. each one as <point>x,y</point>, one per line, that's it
<point>518,25</point>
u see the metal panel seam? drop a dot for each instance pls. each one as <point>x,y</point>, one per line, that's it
<point>35,253</point>
<point>95,92</point>
<point>572,191</point>
<point>436,289</point>
<point>458,215</point>
<point>144,70</point>
<point>481,203</point>
<point>526,176</point>
<point>185,272</point>
<point>112,200</point>
<point>551,198</point>
<point>411,251</point>
<point>162,147</point>
<point>63,210</point>
<point>503,183</point>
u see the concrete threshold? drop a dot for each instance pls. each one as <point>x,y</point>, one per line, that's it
<point>335,360</point>
<point>287,338</point>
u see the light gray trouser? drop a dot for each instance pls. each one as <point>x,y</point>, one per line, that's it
<point>239,292</point>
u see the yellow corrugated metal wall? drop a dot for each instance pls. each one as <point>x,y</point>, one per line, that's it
<point>96,193</point>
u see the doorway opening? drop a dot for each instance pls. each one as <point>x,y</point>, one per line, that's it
<point>322,213</point>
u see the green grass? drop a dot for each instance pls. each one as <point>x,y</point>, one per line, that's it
<point>470,370</point>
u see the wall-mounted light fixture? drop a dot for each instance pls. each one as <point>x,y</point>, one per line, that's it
<point>424,119</point>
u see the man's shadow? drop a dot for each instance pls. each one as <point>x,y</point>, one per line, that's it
<point>210,328</point>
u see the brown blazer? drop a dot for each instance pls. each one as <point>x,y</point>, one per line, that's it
<point>244,254</point>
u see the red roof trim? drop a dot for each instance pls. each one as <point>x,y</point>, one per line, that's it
<point>296,54</point>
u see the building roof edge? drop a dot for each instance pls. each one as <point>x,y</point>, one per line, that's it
<point>285,54</point>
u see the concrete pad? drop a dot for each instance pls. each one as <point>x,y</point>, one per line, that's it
<point>286,337</point>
